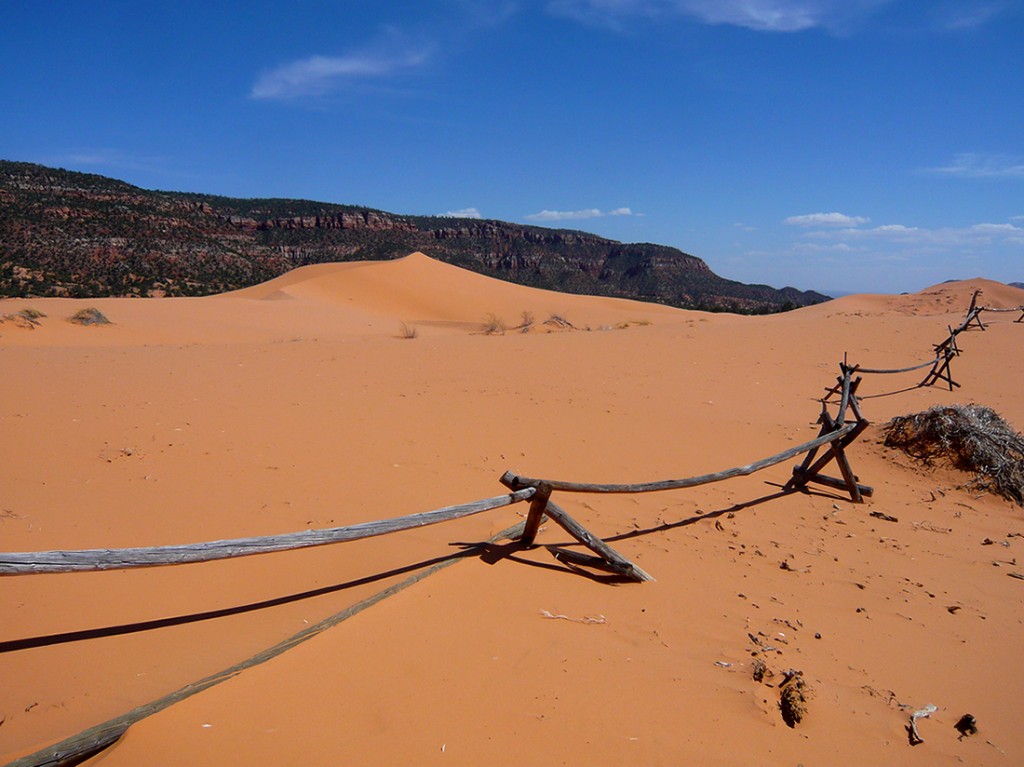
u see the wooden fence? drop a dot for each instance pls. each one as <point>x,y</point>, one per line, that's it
<point>836,434</point>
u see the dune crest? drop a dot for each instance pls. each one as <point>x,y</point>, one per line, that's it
<point>421,289</point>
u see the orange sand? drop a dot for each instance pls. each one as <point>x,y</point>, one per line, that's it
<point>296,404</point>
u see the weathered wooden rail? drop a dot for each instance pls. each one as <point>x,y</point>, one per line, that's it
<point>22,563</point>
<point>513,480</point>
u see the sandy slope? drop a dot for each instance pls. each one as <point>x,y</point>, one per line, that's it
<point>294,404</point>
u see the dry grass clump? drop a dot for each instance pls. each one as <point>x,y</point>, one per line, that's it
<point>559,321</point>
<point>32,315</point>
<point>26,318</point>
<point>526,321</point>
<point>493,325</point>
<point>405,330</point>
<point>971,438</point>
<point>89,316</point>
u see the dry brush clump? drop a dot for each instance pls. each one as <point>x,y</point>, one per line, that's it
<point>559,321</point>
<point>32,315</point>
<point>89,316</point>
<point>526,321</point>
<point>971,438</point>
<point>405,330</point>
<point>493,325</point>
<point>26,318</point>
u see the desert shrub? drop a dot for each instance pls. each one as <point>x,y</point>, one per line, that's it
<point>493,325</point>
<point>558,320</point>
<point>406,330</point>
<point>32,315</point>
<point>971,438</point>
<point>526,321</point>
<point>89,316</point>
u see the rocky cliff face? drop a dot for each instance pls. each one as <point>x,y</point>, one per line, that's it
<point>65,233</point>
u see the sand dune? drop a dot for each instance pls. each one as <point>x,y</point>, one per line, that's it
<point>419,289</point>
<point>950,297</point>
<point>328,301</point>
<point>294,405</point>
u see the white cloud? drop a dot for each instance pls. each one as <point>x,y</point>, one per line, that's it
<point>893,229</point>
<point>564,215</point>
<point>463,213</point>
<point>996,229</point>
<point>765,15</point>
<point>761,15</point>
<point>974,165</point>
<point>815,247</point>
<point>572,215</point>
<point>318,75</point>
<point>976,235</point>
<point>826,219</point>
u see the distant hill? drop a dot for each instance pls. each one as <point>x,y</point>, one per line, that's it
<point>1016,284</point>
<point>64,233</point>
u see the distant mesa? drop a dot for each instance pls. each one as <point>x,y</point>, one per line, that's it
<point>82,235</point>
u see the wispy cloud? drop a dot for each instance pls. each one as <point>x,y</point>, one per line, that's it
<point>817,247</point>
<point>463,213</point>
<point>968,15</point>
<point>826,219</point>
<point>761,15</point>
<point>975,235</point>
<point>319,75</point>
<point>574,215</point>
<point>564,215</point>
<point>894,256</point>
<point>111,159</point>
<point>973,165</point>
<point>394,52</point>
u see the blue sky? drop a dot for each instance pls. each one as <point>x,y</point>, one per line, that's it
<point>839,145</point>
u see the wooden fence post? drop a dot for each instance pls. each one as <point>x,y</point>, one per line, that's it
<point>810,469</point>
<point>538,507</point>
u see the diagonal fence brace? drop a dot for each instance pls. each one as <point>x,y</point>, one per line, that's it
<point>542,506</point>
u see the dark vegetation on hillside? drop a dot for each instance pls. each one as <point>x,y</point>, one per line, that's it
<point>64,233</point>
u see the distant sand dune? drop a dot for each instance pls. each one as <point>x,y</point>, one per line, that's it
<point>422,289</point>
<point>938,299</point>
